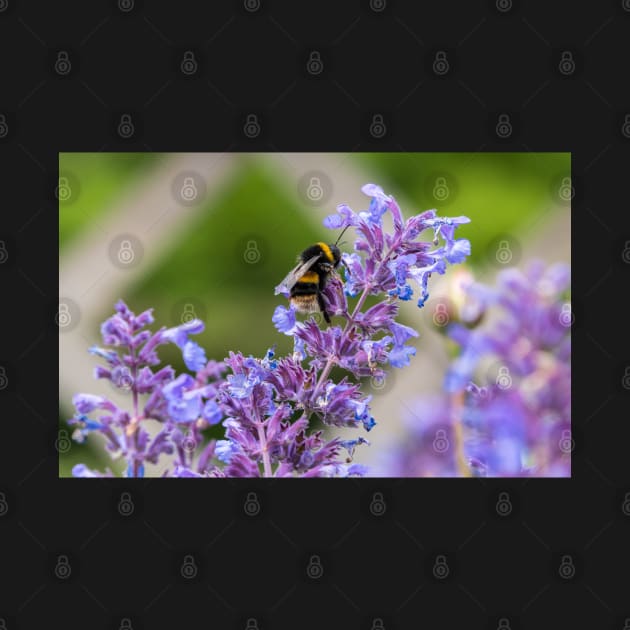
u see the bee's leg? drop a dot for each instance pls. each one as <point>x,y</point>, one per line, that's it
<point>322,307</point>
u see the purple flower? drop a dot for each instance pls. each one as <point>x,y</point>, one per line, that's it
<point>421,276</point>
<point>183,404</point>
<point>401,333</point>
<point>299,350</point>
<point>428,447</point>
<point>81,470</point>
<point>268,406</point>
<point>84,426</point>
<point>240,385</point>
<point>284,320</point>
<point>458,251</point>
<point>403,292</point>
<point>378,204</point>
<point>399,356</point>
<point>194,356</point>
<point>109,355</point>
<point>344,217</point>
<point>183,471</point>
<point>179,334</point>
<point>379,316</point>
<point>212,412</point>
<point>510,418</point>
<point>183,398</point>
<point>224,450</point>
<point>496,432</point>
<point>355,274</point>
<point>376,351</point>
<point>350,445</point>
<point>406,258</point>
<point>85,403</point>
<point>354,470</point>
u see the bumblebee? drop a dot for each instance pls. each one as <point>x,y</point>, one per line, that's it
<point>307,280</point>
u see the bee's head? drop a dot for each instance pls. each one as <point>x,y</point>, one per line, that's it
<point>336,254</point>
<point>334,250</point>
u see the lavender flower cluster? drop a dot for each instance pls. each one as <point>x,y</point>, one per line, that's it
<point>268,406</point>
<point>506,405</point>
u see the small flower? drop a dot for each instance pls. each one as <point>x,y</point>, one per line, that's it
<point>224,450</point>
<point>81,470</point>
<point>344,218</point>
<point>299,350</point>
<point>376,351</point>
<point>399,356</point>
<point>212,412</point>
<point>378,203</point>
<point>109,355</point>
<point>240,385</point>
<point>380,315</point>
<point>84,426</point>
<point>121,377</point>
<point>85,403</point>
<point>458,251</point>
<point>194,356</point>
<point>179,334</point>
<point>421,275</point>
<point>355,274</point>
<point>284,320</point>
<point>403,292</point>
<point>354,470</point>
<point>401,333</point>
<point>184,402</point>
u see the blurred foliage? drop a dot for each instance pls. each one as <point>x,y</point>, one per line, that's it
<point>242,246</point>
<point>248,236</point>
<point>97,181</point>
<point>498,191</point>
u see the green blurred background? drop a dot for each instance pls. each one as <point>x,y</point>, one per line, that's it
<point>220,257</point>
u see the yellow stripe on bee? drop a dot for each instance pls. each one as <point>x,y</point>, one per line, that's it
<point>309,276</point>
<point>327,252</point>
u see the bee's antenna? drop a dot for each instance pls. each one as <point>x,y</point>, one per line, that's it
<point>342,233</point>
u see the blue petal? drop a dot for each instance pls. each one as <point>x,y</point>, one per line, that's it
<point>333,221</point>
<point>401,333</point>
<point>240,386</point>
<point>109,355</point>
<point>224,449</point>
<point>357,469</point>
<point>185,409</point>
<point>284,320</point>
<point>369,423</point>
<point>299,348</point>
<point>350,445</point>
<point>399,356</point>
<point>459,250</point>
<point>212,412</point>
<point>81,470</point>
<point>175,389</point>
<point>179,334</point>
<point>194,356</point>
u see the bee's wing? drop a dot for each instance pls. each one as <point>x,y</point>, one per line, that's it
<point>294,275</point>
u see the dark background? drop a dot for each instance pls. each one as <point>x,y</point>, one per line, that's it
<point>125,570</point>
